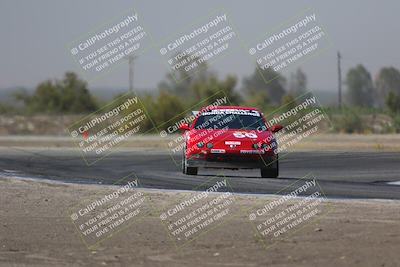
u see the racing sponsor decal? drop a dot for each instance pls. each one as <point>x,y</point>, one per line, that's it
<point>232,144</point>
<point>233,111</point>
<point>252,151</point>
<point>235,143</point>
<point>217,151</point>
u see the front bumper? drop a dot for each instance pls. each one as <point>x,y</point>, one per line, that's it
<point>234,162</point>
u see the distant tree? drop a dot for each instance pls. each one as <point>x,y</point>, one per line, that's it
<point>6,108</point>
<point>47,98</point>
<point>212,88</point>
<point>179,81</point>
<point>393,102</point>
<point>22,95</point>
<point>169,106</point>
<point>75,96</point>
<point>288,101</point>
<point>150,108</point>
<point>198,85</point>
<point>70,95</point>
<point>259,100</point>
<point>360,87</point>
<point>349,122</point>
<point>297,83</point>
<point>387,80</point>
<point>273,84</point>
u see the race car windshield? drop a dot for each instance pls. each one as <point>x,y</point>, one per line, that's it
<point>230,121</point>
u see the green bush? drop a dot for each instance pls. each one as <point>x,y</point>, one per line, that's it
<point>349,122</point>
<point>396,123</point>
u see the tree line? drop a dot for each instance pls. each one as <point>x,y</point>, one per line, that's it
<point>179,91</point>
<point>381,92</point>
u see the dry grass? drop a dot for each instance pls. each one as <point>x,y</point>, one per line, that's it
<point>325,142</point>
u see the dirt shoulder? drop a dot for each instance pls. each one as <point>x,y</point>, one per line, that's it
<point>36,230</point>
<point>332,142</point>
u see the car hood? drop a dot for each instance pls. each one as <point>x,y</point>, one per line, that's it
<point>218,135</point>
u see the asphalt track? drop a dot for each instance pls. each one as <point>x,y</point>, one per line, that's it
<point>339,174</point>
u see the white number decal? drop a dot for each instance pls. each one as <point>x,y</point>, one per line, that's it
<point>251,135</point>
<point>243,135</point>
<point>239,135</point>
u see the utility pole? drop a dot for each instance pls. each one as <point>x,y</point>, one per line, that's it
<point>339,80</point>
<point>131,58</point>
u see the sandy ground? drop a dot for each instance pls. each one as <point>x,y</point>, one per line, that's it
<point>37,230</point>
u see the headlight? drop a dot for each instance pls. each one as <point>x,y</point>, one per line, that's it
<point>200,145</point>
<point>210,145</point>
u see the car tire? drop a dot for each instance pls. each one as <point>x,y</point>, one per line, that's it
<point>271,172</point>
<point>183,163</point>
<point>185,169</point>
<point>191,170</point>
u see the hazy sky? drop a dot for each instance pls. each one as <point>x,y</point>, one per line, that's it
<point>35,34</point>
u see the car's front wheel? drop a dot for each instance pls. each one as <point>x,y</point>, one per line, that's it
<point>191,170</point>
<point>185,168</point>
<point>269,172</point>
<point>272,171</point>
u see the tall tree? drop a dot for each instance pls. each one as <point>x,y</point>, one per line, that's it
<point>387,80</point>
<point>265,81</point>
<point>359,87</point>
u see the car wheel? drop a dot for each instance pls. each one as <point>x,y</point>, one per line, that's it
<point>191,170</point>
<point>183,162</point>
<point>185,168</point>
<point>271,172</point>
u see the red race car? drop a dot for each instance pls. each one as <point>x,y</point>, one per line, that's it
<point>230,137</point>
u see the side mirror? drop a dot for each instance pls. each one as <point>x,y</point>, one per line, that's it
<point>276,128</point>
<point>184,127</point>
